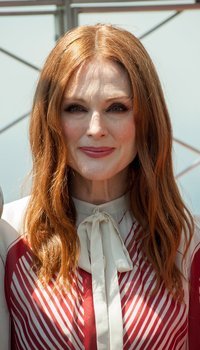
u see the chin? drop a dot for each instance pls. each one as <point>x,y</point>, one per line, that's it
<point>95,174</point>
<point>101,174</point>
<point>97,177</point>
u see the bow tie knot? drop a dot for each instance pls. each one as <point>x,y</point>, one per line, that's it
<point>100,233</point>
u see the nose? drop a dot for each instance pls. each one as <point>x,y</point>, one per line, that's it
<point>96,127</point>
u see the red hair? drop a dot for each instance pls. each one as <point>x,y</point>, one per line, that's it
<point>155,199</point>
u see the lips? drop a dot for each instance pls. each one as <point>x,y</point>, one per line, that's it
<point>97,152</point>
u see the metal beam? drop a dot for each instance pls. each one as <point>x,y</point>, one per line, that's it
<point>189,168</point>
<point>67,14</point>
<point>16,121</point>
<point>104,5</point>
<point>30,3</point>
<point>135,1</point>
<point>186,145</point>
<point>66,18</point>
<point>159,25</point>
<point>122,8</point>
<point>59,22</point>
<point>27,13</point>
<point>130,6</point>
<point>19,59</point>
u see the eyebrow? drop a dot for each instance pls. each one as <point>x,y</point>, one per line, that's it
<point>73,98</point>
<point>110,99</point>
<point>123,97</point>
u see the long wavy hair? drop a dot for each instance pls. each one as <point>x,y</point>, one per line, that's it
<point>155,199</point>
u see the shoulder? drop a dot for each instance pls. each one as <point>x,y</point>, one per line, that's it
<point>195,246</point>
<point>195,242</point>
<point>14,212</point>
<point>12,224</point>
<point>8,235</point>
<point>192,250</point>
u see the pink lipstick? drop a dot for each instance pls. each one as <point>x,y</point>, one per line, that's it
<point>97,152</point>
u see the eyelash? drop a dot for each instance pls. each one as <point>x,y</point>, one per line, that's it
<point>115,107</point>
<point>74,108</point>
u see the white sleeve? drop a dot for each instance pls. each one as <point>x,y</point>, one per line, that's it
<point>14,212</point>
<point>4,314</point>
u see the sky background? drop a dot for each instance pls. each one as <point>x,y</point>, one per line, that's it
<point>175,50</point>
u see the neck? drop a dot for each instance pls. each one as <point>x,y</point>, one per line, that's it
<point>99,192</point>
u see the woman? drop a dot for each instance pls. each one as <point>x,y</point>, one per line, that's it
<point>108,255</point>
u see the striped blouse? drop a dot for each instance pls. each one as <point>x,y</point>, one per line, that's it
<point>111,305</point>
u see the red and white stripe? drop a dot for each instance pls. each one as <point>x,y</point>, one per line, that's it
<point>51,318</point>
<point>151,321</point>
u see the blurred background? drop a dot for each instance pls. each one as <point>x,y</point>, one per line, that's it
<point>170,31</point>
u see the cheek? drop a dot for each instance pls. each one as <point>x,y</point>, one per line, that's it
<point>71,132</point>
<point>128,142</point>
<point>126,133</point>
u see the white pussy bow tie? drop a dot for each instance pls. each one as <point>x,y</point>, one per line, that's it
<point>103,254</point>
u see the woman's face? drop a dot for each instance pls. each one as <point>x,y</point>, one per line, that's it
<point>98,120</point>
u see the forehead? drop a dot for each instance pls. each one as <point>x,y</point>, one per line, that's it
<point>100,75</point>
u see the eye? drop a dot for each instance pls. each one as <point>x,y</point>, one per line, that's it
<point>117,107</point>
<point>74,108</point>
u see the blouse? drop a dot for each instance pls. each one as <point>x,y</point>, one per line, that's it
<point>111,305</point>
